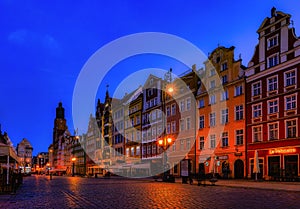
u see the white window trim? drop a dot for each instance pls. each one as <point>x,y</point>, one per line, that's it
<point>203,121</point>
<point>261,132</point>
<point>285,85</point>
<point>252,108</point>
<point>186,103</point>
<point>269,106</point>
<point>235,139</point>
<point>285,127</point>
<point>273,55</point>
<point>269,130</point>
<point>235,92</point>
<point>268,83</point>
<point>285,103</point>
<point>268,40</point>
<point>252,90</point>
<point>235,111</point>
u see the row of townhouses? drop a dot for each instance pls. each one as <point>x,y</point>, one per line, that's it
<point>214,116</point>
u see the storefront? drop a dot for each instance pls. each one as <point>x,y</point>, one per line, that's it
<point>277,163</point>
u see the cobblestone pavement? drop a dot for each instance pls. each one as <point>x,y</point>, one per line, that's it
<point>76,192</point>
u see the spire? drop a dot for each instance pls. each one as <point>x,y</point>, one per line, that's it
<point>107,94</point>
<point>273,12</point>
<point>60,111</point>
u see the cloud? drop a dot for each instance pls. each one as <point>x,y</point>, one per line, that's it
<point>27,38</point>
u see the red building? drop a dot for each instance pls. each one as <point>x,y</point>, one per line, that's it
<point>272,88</point>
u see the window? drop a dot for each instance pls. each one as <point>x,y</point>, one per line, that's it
<point>132,151</point>
<point>181,124</point>
<point>159,130</point>
<point>149,147</point>
<point>224,116</point>
<point>212,72</point>
<point>173,126</point>
<point>224,95</point>
<point>256,89</point>
<point>138,150</point>
<point>290,78</point>
<point>159,114</point>
<point>272,61</point>
<point>168,128</point>
<point>188,123</point>
<point>290,102</point>
<point>273,41</point>
<point>201,142</point>
<point>212,99</point>
<point>188,144</point>
<point>238,90</point>
<point>188,103</point>
<point>153,114</point>
<point>224,79</point>
<point>138,120</point>
<point>168,111</point>
<point>154,149</point>
<point>201,121</point>
<point>174,146</point>
<point>239,112</point>
<point>127,152</point>
<point>257,134</point>
<point>224,66</point>
<point>273,106</point>
<point>225,139</point>
<point>181,144</point>
<point>273,131</point>
<point>291,129</point>
<point>212,84</point>
<point>181,105</point>
<point>201,103</point>
<point>212,119</point>
<point>239,137</point>
<point>154,131</point>
<point>144,150</point>
<point>212,141</point>
<point>256,109</point>
<point>173,109</point>
<point>272,84</point>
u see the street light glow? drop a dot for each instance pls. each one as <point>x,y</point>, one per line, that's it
<point>160,142</point>
<point>73,159</point>
<point>169,140</point>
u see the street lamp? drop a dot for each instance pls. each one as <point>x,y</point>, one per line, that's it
<point>73,165</point>
<point>48,167</point>
<point>164,143</point>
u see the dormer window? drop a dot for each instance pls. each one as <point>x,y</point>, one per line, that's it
<point>273,41</point>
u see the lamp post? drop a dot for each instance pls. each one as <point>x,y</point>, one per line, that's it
<point>73,165</point>
<point>164,143</point>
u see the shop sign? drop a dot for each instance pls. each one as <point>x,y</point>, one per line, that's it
<point>224,157</point>
<point>282,150</point>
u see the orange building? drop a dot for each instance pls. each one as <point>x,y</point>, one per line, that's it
<point>221,123</point>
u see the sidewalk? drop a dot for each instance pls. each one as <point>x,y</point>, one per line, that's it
<point>268,185</point>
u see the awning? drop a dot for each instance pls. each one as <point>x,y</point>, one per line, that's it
<point>6,150</point>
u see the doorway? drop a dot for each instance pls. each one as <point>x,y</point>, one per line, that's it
<point>239,169</point>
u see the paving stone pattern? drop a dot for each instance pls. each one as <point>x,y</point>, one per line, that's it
<point>76,192</point>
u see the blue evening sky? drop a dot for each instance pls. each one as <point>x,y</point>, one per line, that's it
<point>44,45</point>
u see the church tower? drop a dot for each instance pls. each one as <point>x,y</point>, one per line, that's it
<point>60,127</point>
